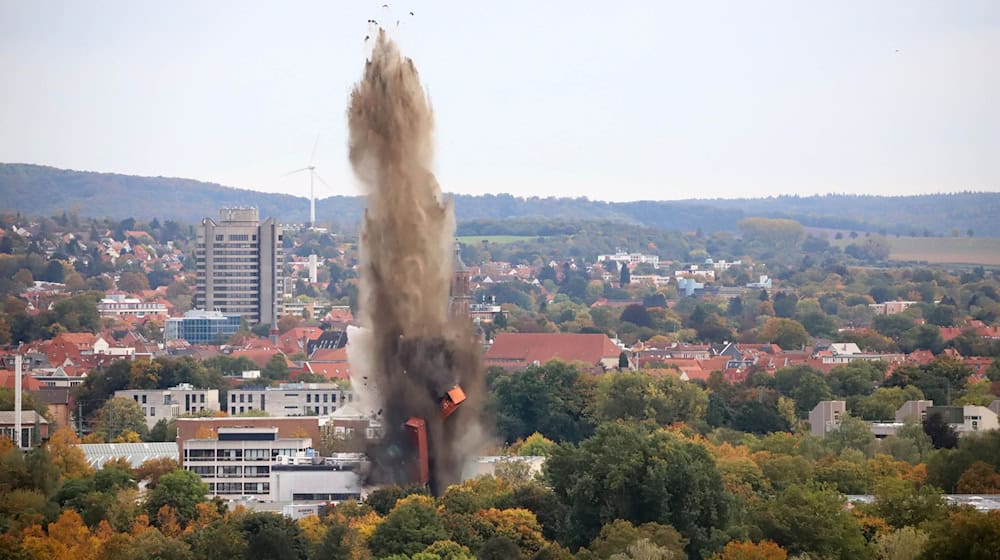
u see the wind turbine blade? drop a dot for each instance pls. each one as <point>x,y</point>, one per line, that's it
<point>312,158</point>
<point>296,171</point>
<point>321,180</point>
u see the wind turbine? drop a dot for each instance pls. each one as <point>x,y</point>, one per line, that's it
<point>311,168</point>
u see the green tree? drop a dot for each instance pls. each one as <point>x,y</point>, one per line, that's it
<point>639,396</point>
<point>617,536</point>
<point>272,535</point>
<point>806,519</point>
<point>120,415</point>
<point>384,498</point>
<point>853,433</point>
<point>787,333</point>
<point>276,368</point>
<point>639,474</point>
<point>965,534</point>
<point>181,490</point>
<point>551,400</point>
<point>412,526</point>
<point>904,503</point>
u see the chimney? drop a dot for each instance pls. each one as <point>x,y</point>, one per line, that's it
<point>274,336</point>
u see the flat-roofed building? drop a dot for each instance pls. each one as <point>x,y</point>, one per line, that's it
<point>168,404</point>
<point>238,461</point>
<point>239,263</point>
<point>121,305</point>
<point>202,327</point>
<point>825,417</point>
<point>289,399</point>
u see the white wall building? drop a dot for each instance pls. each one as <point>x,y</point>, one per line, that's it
<point>289,399</point>
<point>308,478</point>
<point>167,404</point>
<point>239,462</point>
<point>622,256</point>
<point>120,305</point>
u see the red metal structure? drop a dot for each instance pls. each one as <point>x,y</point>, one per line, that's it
<point>417,430</point>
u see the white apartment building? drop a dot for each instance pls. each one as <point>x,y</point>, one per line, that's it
<point>289,399</point>
<point>167,404</point>
<point>622,256</point>
<point>239,461</point>
<point>120,305</point>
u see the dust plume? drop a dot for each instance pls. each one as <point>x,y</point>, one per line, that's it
<point>416,351</point>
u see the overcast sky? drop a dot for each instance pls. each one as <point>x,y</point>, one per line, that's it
<point>609,100</point>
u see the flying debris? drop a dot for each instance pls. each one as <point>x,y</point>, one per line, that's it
<point>411,13</point>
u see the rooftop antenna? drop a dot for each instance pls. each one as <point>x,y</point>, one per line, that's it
<point>311,168</point>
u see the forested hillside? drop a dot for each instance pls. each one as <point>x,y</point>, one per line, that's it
<point>40,190</point>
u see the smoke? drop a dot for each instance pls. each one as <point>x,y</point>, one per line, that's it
<point>416,350</point>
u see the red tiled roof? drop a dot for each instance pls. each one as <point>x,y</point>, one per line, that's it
<point>292,341</point>
<point>329,355</point>
<point>28,383</point>
<point>259,356</point>
<point>524,349</point>
<point>340,370</point>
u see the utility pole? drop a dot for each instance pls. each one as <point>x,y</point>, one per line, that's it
<point>17,400</point>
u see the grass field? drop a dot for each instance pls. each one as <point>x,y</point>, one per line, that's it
<point>939,250</point>
<point>496,239</point>
<point>946,250</point>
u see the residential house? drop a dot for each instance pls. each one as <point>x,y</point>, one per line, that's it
<point>519,350</point>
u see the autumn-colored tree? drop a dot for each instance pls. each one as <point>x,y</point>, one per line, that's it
<point>128,436</point>
<point>966,534</point>
<point>313,529</point>
<point>133,282</point>
<point>536,445</point>
<point>619,535</point>
<point>288,322</point>
<point>979,478</point>
<point>66,454</point>
<point>748,550</point>
<point>152,469</point>
<point>65,539</point>
<point>518,525</point>
<point>166,520</point>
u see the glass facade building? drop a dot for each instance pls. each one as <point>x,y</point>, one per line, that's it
<point>202,327</point>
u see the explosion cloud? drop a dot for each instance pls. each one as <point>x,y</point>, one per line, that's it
<point>416,350</point>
